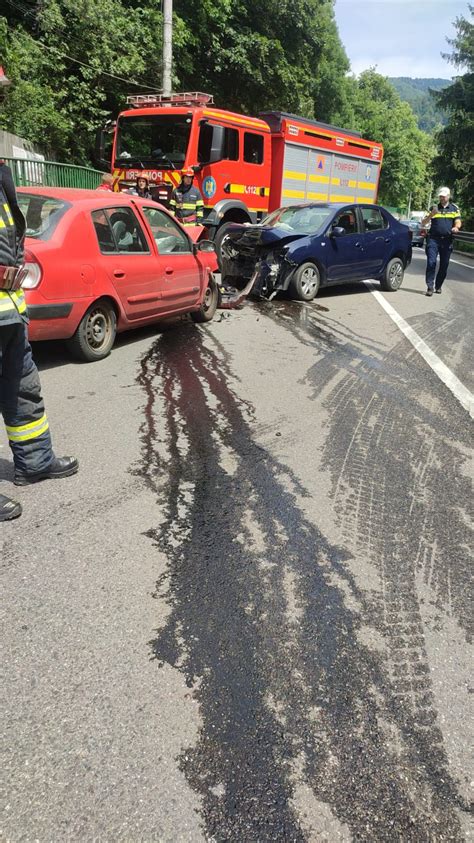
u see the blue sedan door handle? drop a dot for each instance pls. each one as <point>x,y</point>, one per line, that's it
<point>357,245</point>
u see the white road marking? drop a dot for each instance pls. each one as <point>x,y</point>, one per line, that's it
<point>467,265</point>
<point>421,255</point>
<point>463,395</point>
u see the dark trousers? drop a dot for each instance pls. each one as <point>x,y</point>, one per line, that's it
<point>21,404</point>
<point>441,248</point>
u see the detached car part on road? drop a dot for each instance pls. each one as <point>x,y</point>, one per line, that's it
<point>100,262</point>
<point>301,248</point>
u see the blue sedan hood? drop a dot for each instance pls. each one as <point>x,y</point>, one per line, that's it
<point>248,238</point>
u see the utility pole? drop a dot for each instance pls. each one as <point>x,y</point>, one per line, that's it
<point>167,45</point>
<point>431,196</point>
<point>409,206</point>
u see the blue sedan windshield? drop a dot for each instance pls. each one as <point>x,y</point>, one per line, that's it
<point>303,219</point>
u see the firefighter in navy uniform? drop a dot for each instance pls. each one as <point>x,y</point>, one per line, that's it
<point>445,220</point>
<point>186,201</point>
<point>21,404</point>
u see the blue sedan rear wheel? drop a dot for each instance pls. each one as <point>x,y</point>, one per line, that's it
<point>393,275</point>
<point>304,285</point>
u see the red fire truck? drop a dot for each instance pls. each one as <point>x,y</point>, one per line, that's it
<point>245,166</point>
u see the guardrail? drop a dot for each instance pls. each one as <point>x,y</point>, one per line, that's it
<point>464,243</point>
<point>35,173</point>
<point>464,236</point>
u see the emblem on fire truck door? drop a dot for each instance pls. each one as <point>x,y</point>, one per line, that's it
<point>209,187</point>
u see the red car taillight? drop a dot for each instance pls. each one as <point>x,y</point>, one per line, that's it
<point>33,270</point>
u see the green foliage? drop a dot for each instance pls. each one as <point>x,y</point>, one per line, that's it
<point>454,164</point>
<point>265,54</point>
<point>253,55</point>
<point>58,103</point>
<point>418,93</point>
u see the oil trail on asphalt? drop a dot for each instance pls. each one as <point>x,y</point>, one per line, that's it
<point>265,638</point>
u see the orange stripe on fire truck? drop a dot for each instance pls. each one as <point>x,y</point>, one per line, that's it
<point>245,121</point>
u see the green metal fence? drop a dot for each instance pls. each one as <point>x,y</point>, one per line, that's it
<point>35,173</point>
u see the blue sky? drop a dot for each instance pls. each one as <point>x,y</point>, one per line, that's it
<point>400,37</point>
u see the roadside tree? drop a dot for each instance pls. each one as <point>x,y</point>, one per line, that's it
<point>454,163</point>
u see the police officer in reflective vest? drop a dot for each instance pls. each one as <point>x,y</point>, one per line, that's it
<point>21,404</point>
<point>186,201</point>
<point>445,221</point>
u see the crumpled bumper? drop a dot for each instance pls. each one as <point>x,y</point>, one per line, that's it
<point>266,281</point>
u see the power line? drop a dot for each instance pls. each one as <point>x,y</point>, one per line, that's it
<point>22,9</point>
<point>99,72</point>
<point>77,61</point>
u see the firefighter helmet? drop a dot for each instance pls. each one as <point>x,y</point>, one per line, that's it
<point>187,171</point>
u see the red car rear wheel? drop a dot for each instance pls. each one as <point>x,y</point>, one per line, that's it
<point>95,334</point>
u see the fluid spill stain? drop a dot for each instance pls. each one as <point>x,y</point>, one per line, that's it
<point>261,626</point>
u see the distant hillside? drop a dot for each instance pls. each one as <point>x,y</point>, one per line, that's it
<point>416,92</point>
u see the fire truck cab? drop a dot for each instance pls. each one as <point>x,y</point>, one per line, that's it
<point>245,166</point>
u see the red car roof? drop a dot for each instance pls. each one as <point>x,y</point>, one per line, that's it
<point>74,194</point>
<point>95,197</point>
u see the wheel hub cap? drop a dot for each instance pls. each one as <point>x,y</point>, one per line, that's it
<point>309,281</point>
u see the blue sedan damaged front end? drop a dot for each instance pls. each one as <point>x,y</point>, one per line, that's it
<point>256,254</point>
<point>301,248</point>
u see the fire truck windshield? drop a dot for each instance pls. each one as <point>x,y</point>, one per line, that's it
<point>154,141</point>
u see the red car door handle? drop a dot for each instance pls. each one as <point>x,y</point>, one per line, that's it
<point>119,273</point>
<point>169,270</point>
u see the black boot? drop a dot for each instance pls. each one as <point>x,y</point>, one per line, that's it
<point>60,467</point>
<point>9,509</point>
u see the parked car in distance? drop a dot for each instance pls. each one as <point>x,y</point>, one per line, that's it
<point>301,248</point>
<point>99,263</point>
<point>418,231</point>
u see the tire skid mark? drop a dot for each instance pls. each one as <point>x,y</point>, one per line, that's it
<point>275,696</point>
<point>363,453</point>
<point>444,436</point>
<point>438,331</point>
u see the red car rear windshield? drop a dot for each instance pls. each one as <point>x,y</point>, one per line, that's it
<point>42,214</point>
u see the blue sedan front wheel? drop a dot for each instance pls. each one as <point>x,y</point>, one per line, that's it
<point>305,283</point>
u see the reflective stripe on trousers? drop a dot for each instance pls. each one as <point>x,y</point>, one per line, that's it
<point>26,432</point>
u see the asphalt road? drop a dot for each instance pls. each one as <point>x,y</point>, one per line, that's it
<point>246,618</point>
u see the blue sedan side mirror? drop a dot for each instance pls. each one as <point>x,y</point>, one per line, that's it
<point>337,231</point>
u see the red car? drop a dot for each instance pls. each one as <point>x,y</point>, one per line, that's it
<point>102,262</point>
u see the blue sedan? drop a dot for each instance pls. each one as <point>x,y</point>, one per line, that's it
<point>302,248</point>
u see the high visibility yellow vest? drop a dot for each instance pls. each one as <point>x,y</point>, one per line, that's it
<point>12,302</point>
<point>12,306</point>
